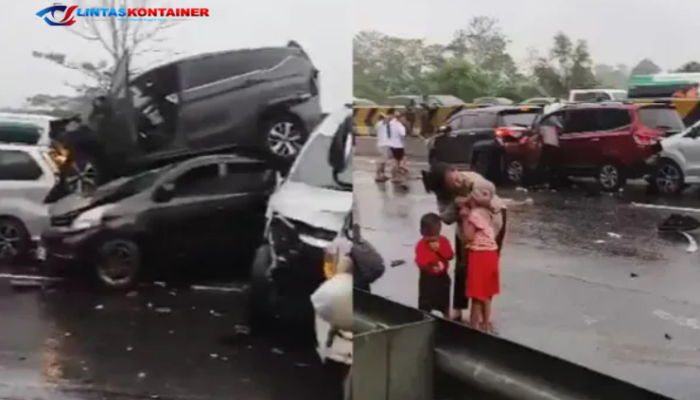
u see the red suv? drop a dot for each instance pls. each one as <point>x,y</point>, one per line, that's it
<point>610,141</point>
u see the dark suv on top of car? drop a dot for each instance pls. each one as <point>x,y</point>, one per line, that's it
<point>611,141</point>
<point>264,101</point>
<point>475,138</point>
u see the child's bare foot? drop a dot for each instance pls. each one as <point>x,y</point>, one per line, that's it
<point>456,315</point>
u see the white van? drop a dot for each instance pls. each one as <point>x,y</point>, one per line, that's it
<point>304,215</point>
<point>588,95</point>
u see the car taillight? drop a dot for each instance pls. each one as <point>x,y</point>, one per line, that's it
<point>643,140</point>
<point>503,132</point>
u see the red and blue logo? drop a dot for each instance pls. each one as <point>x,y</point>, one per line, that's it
<point>68,17</point>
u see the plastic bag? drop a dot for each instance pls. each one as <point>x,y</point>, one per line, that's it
<point>333,301</point>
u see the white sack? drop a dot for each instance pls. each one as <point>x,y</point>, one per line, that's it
<point>333,301</point>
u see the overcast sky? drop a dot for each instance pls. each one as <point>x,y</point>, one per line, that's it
<point>618,31</point>
<point>322,27</point>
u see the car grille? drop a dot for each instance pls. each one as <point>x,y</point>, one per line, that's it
<point>65,220</point>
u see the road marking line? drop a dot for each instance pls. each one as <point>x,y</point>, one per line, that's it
<point>663,207</point>
<point>28,277</point>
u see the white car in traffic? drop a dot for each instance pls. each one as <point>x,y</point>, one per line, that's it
<point>678,163</point>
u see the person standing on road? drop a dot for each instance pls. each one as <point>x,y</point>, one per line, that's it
<point>433,253</point>
<point>548,163</point>
<point>381,133</point>
<point>396,140</point>
<point>480,224</point>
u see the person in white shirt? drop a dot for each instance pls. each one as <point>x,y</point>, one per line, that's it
<point>380,132</point>
<point>549,157</point>
<point>396,140</point>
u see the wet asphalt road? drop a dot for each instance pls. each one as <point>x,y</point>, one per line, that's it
<point>628,306</point>
<point>158,343</point>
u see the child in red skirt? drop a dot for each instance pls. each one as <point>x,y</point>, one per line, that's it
<point>433,254</point>
<point>478,217</point>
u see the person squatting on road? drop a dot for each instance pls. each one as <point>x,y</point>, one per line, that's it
<point>480,222</point>
<point>457,185</point>
<point>433,253</point>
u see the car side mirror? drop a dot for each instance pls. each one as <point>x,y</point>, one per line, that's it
<point>341,146</point>
<point>444,129</point>
<point>164,193</point>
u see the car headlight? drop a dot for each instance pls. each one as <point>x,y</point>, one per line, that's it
<point>90,218</point>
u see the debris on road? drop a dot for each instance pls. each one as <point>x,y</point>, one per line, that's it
<point>163,310</point>
<point>599,241</point>
<point>99,307</point>
<point>633,275</point>
<point>396,263</point>
<point>141,375</point>
<point>133,293</point>
<point>161,284</point>
<point>614,235</point>
<point>215,314</point>
<point>225,289</point>
<point>667,336</point>
<point>277,351</point>
<point>692,243</point>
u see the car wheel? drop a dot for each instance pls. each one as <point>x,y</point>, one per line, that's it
<point>668,178</point>
<point>515,172</point>
<point>15,241</point>
<point>261,315</point>
<point>480,164</point>
<point>83,175</point>
<point>610,177</point>
<point>118,264</point>
<point>285,135</point>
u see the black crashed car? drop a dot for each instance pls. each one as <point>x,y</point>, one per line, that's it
<point>198,211</point>
<point>258,102</point>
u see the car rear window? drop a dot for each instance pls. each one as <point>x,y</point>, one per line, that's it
<point>518,118</point>
<point>20,133</point>
<point>661,118</point>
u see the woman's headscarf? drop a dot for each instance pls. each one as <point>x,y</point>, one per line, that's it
<point>465,183</point>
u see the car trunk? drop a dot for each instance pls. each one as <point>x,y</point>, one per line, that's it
<point>660,120</point>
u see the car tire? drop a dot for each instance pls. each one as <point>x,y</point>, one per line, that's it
<point>261,314</point>
<point>118,264</point>
<point>284,135</point>
<point>515,172</point>
<point>668,178</point>
<point>610,177</point>
<point>15,241</point>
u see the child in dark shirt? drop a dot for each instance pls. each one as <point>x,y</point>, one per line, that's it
<point>433,253</point>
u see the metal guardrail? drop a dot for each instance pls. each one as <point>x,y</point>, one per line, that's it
<point>490,364</point>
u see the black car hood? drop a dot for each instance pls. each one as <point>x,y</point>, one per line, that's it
<point>76,203</point>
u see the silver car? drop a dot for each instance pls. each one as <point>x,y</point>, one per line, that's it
<point>27,178</point>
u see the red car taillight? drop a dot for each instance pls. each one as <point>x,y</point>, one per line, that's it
<point>503,132</point>
<point>643,140</point>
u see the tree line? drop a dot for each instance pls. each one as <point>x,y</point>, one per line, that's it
<point>476,63</point>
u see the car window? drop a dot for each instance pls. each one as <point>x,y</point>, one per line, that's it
<point>485,120</point>
<point>455,122</point>
<point>20,133</point>
<point>518,118</point>
<point>468,121</point>
<point>578,121</point>
<point>312,166</point>
<point>213,68</point>
<point>18,166</point>
<point>590,96</point>
<point>661,118</point>
<point>198,181</point>
<point>245,178</point>
<point>613,119</point>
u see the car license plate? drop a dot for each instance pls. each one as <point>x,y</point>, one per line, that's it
<point>40,253</point>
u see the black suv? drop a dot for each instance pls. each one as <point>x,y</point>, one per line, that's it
<point>264,101</point>
<point>474,138</point>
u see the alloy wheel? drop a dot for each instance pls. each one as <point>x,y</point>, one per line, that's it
<point>284,139</point>
<point>668,178</point>
<point>515,172</point>
<point>10,239</point>
<point>83,177</point>
<point>608,176</point>
<point>118,265</point>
